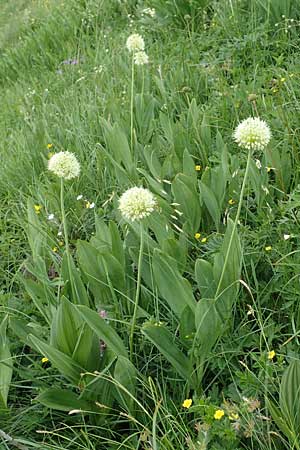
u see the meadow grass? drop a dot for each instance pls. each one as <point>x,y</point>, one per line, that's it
<point>66,85</point>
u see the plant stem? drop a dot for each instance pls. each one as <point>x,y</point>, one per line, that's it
<point>11,441</point>
<point>137,293</point>
<point>234,226</point>
<point>65,228</point>
<point>131,103</point>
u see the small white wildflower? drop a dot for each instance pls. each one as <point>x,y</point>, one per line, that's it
<point>252,134</point>
<point>50,216</point>
<point>89,205</point>
<point>64,165</point>
<point>258,163</point>
<point>286,236</point>
<point>137,203</point>
<point>59,233</point>
<point>79,197</point>
<point>265,189</point>
<point>149,11</point>
<point>141,58</point>
<point>135,43</point>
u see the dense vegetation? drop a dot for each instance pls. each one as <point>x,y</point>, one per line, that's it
<point>180,330</point>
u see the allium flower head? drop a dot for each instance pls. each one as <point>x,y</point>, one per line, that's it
<point>135,43</point>
<point>137,203</point>
<point>141,58</point>
<point>64,165</point>
<point>252,133</point>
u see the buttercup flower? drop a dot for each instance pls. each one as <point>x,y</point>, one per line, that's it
<point>271,354</point>
<point>38,208</point>
<point>135,43</point>
<point>252,134</point>
<point>219,414</point>
<point>187,403</point>
<point>137,203</point>
<point>64,165</point>
<point>141,58</point>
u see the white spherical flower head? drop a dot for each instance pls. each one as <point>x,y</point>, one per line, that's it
<point>252,133</point>
<point>141,58</point>
<point>137,203</point>
<point>135,43</point>
<point>64,165</point>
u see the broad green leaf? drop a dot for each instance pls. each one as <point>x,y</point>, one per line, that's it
<point>227,276</point>
<point>118,145</point>
<point>81,297</point>
<point>205,278</point>
<point>186,195</point>
<point>103,271</point>
<point>117,247</point>
<point>103,331</point>
<point>6,365</point>
<point>280,420</point>
<point>72,336</point>
<point>172,286</point>
<point>65,327</point>
<point>208,324</point>
<point>187,325</point>
<point>125,374</point>
<point>63,400</point>
<point>164,340</point>
<point>64,363</point>
<point>188,166</point>
<point>152,161</point>
<point>211,203</point>
<point>289,396</point>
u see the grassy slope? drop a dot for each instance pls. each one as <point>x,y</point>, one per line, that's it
<point>44,101</point>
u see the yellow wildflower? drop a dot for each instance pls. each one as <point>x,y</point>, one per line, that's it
<point>197,235</point>
<point>203,240</point>
<point>44,360</point>
<point>54,249</point>
<point>268,248</point>
<point>60,243</point>
<point>233,416</point>
<point>271,354</point>
<point>197,167</point>
<point>282,79</point>
<point>37,208</point>
<point>269,169</point>
<point>231,201</point>
<point>49,146</point>
<point>219,414</point>
<point>187,403</point>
